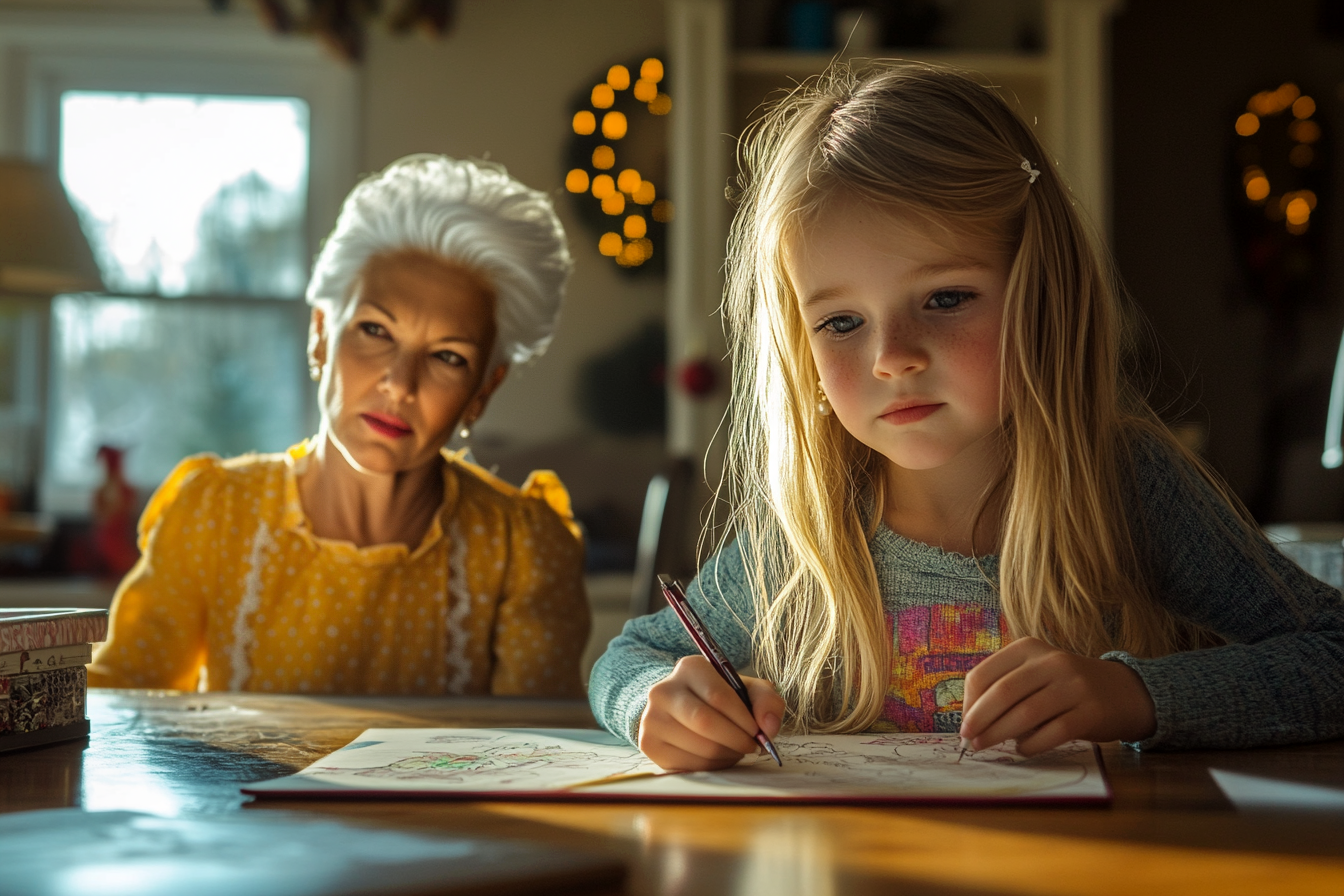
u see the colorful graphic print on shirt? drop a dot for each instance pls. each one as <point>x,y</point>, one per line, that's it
<point>933,647</point>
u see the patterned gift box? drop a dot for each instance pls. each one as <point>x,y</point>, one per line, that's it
<point>42,700</point>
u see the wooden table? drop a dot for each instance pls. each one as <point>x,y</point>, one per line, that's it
<point>1170,829</point>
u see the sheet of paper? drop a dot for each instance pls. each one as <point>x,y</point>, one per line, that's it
<point>469,763</point>
<point>1252,792</point>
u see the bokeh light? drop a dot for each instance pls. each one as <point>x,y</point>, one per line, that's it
<point>603,186</point>
<point>610,244</point>
<point>576,181</point>
<point>1248,123</point>
<point>618,76</point>
<point>604,157</point>
<point>585,123</point>
<point>635,227</point>
<point>603,96</point>
<point>614,204</point>
<point>614,125</point>
<point>651,70</point>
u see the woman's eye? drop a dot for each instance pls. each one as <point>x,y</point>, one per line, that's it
<point>452,359</point>
<point>369,328</point>
<point>840,323</point>
<point>946,299</point>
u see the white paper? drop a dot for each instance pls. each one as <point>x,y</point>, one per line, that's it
<point>460,762</point>
<point>1251,792</point>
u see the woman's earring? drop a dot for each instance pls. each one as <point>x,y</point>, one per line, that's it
<point>315,372</point>
<point>465,432</point>
<point>823,403</point>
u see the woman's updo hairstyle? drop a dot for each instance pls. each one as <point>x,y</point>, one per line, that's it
<point>471,214</point>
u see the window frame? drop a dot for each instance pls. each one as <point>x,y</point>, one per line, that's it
<point>44,54</point>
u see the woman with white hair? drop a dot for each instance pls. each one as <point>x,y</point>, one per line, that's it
<point>368,559</point>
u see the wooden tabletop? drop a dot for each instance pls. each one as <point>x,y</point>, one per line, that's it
<point>1170,829</point>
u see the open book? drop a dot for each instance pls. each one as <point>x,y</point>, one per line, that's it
<point>564,764</point>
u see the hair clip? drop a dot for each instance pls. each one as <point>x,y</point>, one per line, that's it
<point>1026,166</point>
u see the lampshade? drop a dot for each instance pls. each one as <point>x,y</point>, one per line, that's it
<point>42,248</point>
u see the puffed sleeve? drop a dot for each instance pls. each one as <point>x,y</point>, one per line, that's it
<point>542,625</point>
<point>156,636</point>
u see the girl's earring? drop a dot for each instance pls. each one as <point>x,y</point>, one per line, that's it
<point>823,403</point>
<point>465,432</point>
<point>315,372</point>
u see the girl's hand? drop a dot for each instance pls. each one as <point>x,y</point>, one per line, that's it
<point>1042,697</point>
<point>695,721</point>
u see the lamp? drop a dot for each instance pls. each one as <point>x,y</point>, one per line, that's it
<point>43,251</point>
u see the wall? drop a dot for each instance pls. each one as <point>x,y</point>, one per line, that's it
<point>1181,73</point>
<point>499,87</point>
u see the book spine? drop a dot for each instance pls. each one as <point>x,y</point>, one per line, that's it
<point>42,700</point>
<point>16,636</point>
<point>45,659</point>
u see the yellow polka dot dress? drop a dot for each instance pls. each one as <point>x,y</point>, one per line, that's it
<point>233,592</point>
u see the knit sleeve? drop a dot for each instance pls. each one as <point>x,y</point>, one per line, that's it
<point>543,619</point>
<point>649,646</point>
<point>156,635</point>
<point>1280,677</point>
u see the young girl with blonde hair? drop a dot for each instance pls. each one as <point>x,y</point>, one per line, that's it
<point>952,512</point>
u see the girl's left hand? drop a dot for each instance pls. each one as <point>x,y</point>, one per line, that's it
<point>1042,697</point>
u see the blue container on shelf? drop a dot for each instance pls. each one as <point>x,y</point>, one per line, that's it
<point>809,25</point>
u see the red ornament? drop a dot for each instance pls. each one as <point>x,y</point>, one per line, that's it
<point>697,378</point>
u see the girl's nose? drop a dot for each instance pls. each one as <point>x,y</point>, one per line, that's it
<point>900,354</point>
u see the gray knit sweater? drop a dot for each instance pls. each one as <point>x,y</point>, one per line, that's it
<point>1279,679</point>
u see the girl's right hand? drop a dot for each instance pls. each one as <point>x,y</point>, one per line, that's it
<point>695,721</point>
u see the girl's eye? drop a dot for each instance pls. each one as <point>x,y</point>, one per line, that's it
<point>369,328</point>
<point>947,299</point>
<point>840,324</point>
<point>452,359</point>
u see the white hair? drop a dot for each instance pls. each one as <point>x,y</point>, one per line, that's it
<point>467,213</point>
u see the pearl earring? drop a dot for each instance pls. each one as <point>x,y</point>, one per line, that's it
<point>823,403</point>
<point>465,432</point>
<point>315,372</point>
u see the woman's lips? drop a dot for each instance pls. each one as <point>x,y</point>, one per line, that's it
<point>910,413</point>
<point>387,425</point>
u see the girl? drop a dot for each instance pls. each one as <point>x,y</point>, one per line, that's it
<point>952,513</point>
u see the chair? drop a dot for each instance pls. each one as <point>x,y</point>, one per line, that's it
<point>664,535</point>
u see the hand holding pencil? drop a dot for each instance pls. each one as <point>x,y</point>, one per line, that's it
<point>696,721</point>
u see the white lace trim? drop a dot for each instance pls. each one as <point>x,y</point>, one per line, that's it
<point>243,637</point>
<point>457,606</point>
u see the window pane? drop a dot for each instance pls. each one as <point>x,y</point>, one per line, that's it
<point>187,194</point>
<point>167,379</point>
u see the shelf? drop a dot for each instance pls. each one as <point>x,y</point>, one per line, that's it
<point>798,64</point>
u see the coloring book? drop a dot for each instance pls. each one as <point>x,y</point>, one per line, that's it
<point>566,764</point>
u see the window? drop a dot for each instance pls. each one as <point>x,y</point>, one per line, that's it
<point>206,159</point>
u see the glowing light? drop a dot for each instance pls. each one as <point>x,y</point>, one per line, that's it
<point>1286,95</point>
<point>1309,197</point>
<point>614,204</point>
<point>614,125</point>
<point>662,211</point>
<point>645,90</point>
<point>1257,188</point>
<point>603,186</point>
<point>1248,123</point>
<point>1262,103</point>
<point>1298,229</point>
<point>585,123</point>
<point>633,255</point>
<point>1304,131</point>
<point>610,244</point>
<point>604,157</point>
<point>629,180</point>
<point>1297,211</point>
<point>603,96</point>
<point>1304,107</point>
<point>618,76</point>
<point>1301,155</point>
<point>576,181</point>
<point>645,193</point>
<point>661,104</point>
<point>651,70</point>
<point>635,227</point>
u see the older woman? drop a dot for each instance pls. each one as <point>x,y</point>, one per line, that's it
<point>368,559</point>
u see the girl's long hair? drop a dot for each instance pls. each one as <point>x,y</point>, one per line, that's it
<point>933,144</point>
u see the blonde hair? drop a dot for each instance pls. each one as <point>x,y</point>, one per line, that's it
<point>806,496</point>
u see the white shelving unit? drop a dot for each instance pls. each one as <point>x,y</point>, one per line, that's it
<point>1062,89</point>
